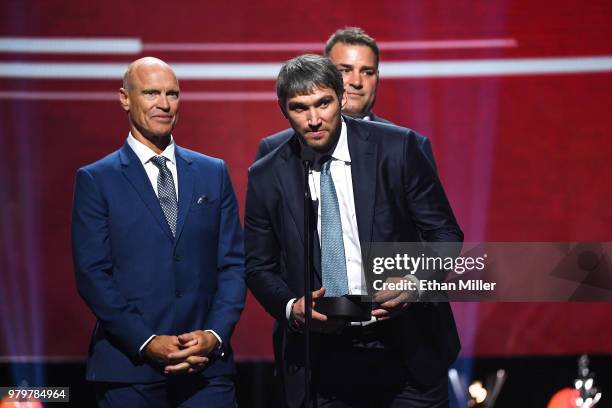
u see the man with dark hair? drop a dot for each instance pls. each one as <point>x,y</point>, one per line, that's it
<point>356,55</point>
<point>158,257</point>
<point>370,182</point>
<point>302,75</point>
<point>352,36</point>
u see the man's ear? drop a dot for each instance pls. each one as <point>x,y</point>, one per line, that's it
<point>282,108</point>
<point>124,99</point>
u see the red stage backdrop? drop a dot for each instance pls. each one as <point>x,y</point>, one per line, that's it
<point>515,96</point>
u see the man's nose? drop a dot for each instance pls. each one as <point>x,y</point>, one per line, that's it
<point>354,79</point>
<point>314,119</point>
<point>163,103</point>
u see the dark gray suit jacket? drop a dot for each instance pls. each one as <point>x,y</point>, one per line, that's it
<point>398,198</point>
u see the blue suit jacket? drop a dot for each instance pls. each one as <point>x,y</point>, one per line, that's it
<point>137,279</point>
<point>269,143</point>
<point>398,198</point>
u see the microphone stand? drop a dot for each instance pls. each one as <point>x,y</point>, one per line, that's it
<point>307,160</point>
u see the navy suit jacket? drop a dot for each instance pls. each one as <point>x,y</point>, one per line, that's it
<point>137,279</point>
<point>398,198</point>
<point>269,143</point>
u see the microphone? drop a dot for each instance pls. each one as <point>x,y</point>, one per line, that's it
<point>307,156</point>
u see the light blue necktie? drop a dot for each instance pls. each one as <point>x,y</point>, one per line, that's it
<point>333,262</point>
<point>166,192</point>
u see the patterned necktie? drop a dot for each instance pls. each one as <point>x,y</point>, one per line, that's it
<point>166,192</point>
<point>333,262</point>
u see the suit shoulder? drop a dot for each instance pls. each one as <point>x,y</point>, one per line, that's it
<point>388,132</point>
<point>380,131</point>
<point>271,142</point>
<point>419,137</point>
<point>376,118</point>
<point>268,162</point>
<point>278,138</point>
<point>106,163</point>
<point>269,146</point>
<point>199,158</point>
<point>265,162</point>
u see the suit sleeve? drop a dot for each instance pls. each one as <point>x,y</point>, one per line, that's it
<point>93,264</point>
<point>263,256</point>
<point>231,287</point>
<point>428,205</point>
<point>426,148</point>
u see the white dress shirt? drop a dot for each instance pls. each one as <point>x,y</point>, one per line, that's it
<point>340,169</point>
<point>145,154</point>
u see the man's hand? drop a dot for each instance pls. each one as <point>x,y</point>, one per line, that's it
<point>192,357</point>
<point>392,302</point>
<point>320,322</point>
<point>159,349</point>
<point>298,310</point>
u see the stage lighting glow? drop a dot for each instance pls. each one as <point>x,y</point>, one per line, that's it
<point>477,392</point>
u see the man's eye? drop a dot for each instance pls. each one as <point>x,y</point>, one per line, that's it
<point>368,73</point>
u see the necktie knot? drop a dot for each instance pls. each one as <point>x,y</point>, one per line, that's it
<point>325,167</point>
<point>166,192</point>
<point>159,162</point>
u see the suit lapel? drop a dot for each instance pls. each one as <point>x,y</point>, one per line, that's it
<point>186,180</point>
<point>363,172</point>
<point>290,174</point>
<point>137,177</point>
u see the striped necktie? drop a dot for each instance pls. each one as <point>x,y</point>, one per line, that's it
<point>166,193</point>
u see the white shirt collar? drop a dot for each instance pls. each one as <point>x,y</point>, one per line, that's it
<point>145,153</point>
<point>341,152</point>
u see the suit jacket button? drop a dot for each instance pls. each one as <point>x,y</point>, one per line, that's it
<point>177,258</point>
<point>178,294</point>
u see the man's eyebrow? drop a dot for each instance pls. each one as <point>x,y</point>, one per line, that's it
<point>345,65</point>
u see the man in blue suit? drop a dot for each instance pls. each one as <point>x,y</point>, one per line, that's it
<point>370,182</point>
<point>158,257</point>
<point>356,55</point>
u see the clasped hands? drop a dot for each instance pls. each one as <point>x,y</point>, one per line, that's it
<point>187,353</point>
<point>390,304</point>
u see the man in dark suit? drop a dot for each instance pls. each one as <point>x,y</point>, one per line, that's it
<point>158,257</point>
<point>356,55</point>
<point>370,183</point>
